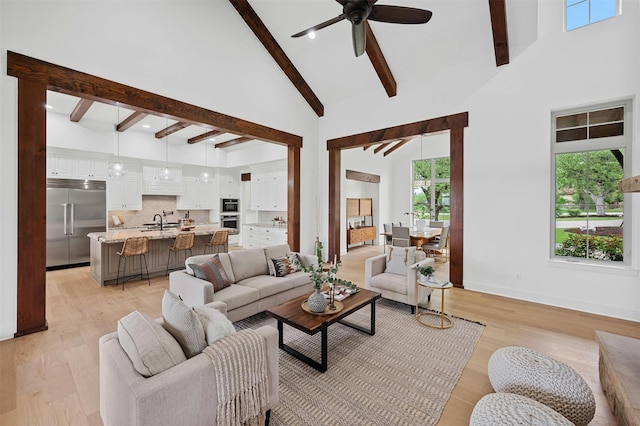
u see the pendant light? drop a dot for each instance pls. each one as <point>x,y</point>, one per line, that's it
<point>117,169</point>
<point>205,175</point>
<point>166,173</point>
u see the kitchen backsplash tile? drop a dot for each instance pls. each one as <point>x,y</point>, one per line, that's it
<point>152,204</point>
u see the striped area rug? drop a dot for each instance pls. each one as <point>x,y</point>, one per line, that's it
<point>403,375</point>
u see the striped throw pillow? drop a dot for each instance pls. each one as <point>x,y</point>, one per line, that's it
<point>212,271</point>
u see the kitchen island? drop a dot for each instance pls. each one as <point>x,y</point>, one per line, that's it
<point>105,246</point>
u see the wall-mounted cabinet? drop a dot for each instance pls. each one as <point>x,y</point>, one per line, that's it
<point>360,227</point>
<point>269,191</point>
<point>197,195</point>
<point>59,165</point>
<point>90,168</point>
<point>229,185</point>
<point>125,193</point>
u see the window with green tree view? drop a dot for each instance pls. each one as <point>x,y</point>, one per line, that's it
<point>431,189</point>
<point>591,153</point>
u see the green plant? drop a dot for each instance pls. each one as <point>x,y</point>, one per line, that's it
<point>319,276</point>
<point>427,271</point>
<point>592,247</point>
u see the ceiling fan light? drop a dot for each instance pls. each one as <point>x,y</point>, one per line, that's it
<point>117,169</point>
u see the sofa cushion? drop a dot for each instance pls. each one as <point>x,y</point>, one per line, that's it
<point>248,263</point>
<point>212,271</point>
<point>390,282</point>
<point>398,258</point>
<point>183,324</point>
<point>299,278</point>
<point>149,346</point>
<point>216,325</point>
<point>236,296</point>
<point>276,251</point>
<point>267,285</point>
<point>283,265</point>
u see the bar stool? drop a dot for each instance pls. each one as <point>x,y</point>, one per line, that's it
<point>219,238</point>
<point>183,242</point>
<point>134,246</point>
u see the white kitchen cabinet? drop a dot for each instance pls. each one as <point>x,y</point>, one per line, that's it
<point>125,193</point>
<point>228,184</point>
<point>262,236</point>
<point>269,191</point>
<point>59,165</point>
<point>197,195</point>
<point>90,168</point>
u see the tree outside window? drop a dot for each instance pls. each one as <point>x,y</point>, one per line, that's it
<point>431,188</point>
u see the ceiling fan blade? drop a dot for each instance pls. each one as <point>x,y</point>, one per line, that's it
<point>359,35</point>
<point>399,14</point>
<point>320,26</point>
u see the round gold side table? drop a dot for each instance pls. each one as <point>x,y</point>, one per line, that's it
<point>445,320</point>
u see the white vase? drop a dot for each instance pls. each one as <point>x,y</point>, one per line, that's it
<point>317,302</point>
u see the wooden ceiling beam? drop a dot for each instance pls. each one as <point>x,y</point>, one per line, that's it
<point>262,33</point>
<point>80,110</point>
<point>130,121</point>
<point>498,11</point>
<point>379,62</point>
<point>205,136</point>
<point>396,146</point>
<point>232,142</point>
<point>171,129</point>
<point>381,147</point>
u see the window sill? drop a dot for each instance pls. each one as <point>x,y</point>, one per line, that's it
<point>622,270</point>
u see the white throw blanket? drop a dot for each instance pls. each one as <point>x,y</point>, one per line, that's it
<point>240,364</point>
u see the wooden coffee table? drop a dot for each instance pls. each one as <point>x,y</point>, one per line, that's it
<point>291,313</point>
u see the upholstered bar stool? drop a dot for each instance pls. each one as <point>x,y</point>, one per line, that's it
<point>134,246</point>
<point>219,241</point>
<point>183,242</point>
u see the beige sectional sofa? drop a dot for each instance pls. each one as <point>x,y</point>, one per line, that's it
<point>253,288</point>
<point>184,394</point>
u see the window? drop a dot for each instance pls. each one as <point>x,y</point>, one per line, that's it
<point>431,189</point>
<point>584,12</point>
<point>591,151</point>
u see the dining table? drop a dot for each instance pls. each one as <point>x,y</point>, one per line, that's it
<point>418,238</point>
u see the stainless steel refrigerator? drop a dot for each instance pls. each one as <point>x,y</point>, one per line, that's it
<point>74,209</point>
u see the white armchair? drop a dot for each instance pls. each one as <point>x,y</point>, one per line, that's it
<point>393,274</point>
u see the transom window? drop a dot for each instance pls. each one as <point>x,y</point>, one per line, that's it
<point>591,154</point>
<point>584,12</point>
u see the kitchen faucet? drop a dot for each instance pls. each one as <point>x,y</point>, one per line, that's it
<point>154,218</point>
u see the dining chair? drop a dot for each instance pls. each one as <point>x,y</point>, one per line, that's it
<point>400,236</point>
<point>439,246</point>
<point>387,230</point>
<point>420,225</point>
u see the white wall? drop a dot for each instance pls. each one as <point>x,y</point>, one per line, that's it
<point>507,199</point>
<point>181,50</point>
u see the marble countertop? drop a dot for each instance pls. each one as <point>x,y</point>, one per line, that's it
<point>119,235</point>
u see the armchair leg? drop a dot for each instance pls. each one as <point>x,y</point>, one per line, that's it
<point>267,417</point>
<point>413,310</point>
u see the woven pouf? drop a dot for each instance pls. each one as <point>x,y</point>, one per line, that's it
<point>533,374</point>
<point>507,409</point>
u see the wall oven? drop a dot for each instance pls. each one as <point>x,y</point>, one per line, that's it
<point>229,205</point>
<point>231,221</point>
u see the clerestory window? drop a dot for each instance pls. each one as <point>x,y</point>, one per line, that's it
<point>591,154</point>
<point>579,13</point>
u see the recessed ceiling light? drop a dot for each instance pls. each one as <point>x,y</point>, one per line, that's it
<point>312,35</point>
<point>212,139</point>
<point>146,126</point>
<point>48,106</point>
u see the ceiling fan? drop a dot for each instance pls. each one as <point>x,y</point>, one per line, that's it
<point>358,11</point>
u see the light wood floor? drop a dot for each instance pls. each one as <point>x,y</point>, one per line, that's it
<point>51,378</point>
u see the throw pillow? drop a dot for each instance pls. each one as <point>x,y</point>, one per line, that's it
<point>183,324</point>
<point>284,266</point>
<point>398,258</point>
<point>148,345</point>
<point>212,271</point>
<point>216,325</point>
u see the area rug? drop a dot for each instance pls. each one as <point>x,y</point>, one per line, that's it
<point>403,375</point>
